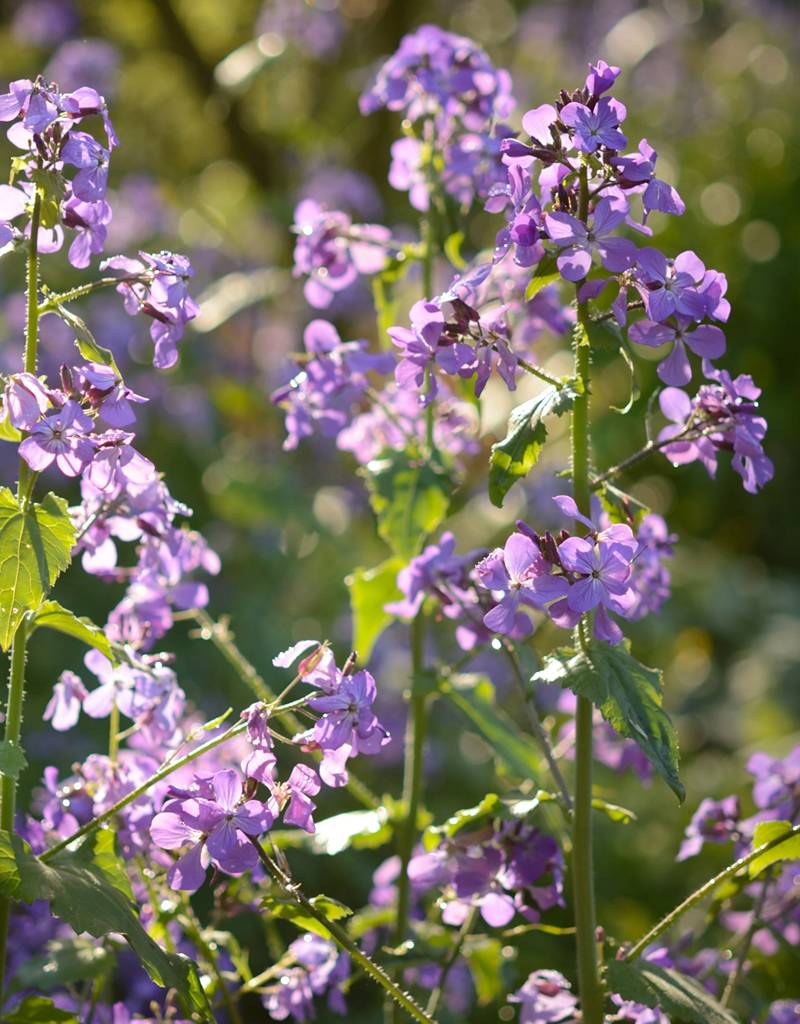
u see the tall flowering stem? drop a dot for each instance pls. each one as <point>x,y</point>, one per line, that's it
<point>590,988</point>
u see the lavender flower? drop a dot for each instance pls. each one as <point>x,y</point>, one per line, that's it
<point>713,822</point>
<point>545,998</point>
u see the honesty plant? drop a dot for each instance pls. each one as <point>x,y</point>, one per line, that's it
<point>114,847</point>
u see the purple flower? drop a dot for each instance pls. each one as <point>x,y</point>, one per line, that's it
<point>302,784</point>
<point>545,998</point>
<point>595,127</point>
<point>347,716</point>
<point>90,221</point>
<point>418,349</point>
<point>156,285</point>
<point>714,821</point>
<point>26,400</point>
<point>105,391</point>
<point>82,151</point>
<point>636,172</point>
<point>650,578</point>
<point>60,438</point>
<point>671,287</point>
<point>601,579</point>
<point>524,218</point>
<point>511,574</point>
<point>319,969</point>
<point>785,1011</point>
<point>437,564</point>
<point>64,707</point>
<point>601,78</point>
<point>579,242</point>
<point>704,340</point>
<point>217,826</point>
<point>776,783</point>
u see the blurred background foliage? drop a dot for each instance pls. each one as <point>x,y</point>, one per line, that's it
<point>228,114</point>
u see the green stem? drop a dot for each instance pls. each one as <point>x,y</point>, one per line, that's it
<point>113,735</point>
<point>340,936</point>
<point>16,697</point>
<point>705,890</point>
<point>452,956</point>
<point>412,775</point>
<point>194,931</point>
<point>589,984</point>
<point>534,371</point>
<point>56,299</point>
<point>32,287</point>
<point>744,948</point>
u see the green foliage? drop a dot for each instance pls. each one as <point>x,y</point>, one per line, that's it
<point>485,959</point>
<point>621,815</point>
<point>51,615</point>
<point>38,1010</point>
<point>370,590</point>
<point>628,694</point>
<point>546,273</point>
<point>383,289</point>
<point>491,806</point>
<point>64,963</point>
<point>12,759</point>
<point>681,998</point>
<point>289,910</point>
<point>88,888</point>
<point>410,498</point>
<point>515,456</point>
<point>621,506</point>
<point>766,832</point>
<point>352,828</point>
<point>85,341</point>
<point>475,697</point>
<point>35,547</point>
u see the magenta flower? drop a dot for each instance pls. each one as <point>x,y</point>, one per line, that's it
<point>579,242</point>
<point>60,438</point>
<point>602,571</point>
<point>26,400</point>
<point>419,349</point>
<point>347,716</point>
<point>217,827</point>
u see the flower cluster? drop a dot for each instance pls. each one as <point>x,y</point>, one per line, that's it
<point>446,87</point>
<point>46,129</point>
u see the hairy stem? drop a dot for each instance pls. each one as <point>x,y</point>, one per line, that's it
<point>412,776</point>
<point>16,696</point>
<point>342,939</point>
<point>705,890</point>
<point>534,371</point>
<point>452,956</point>
<point>32,288</point>
<point>589,984</point>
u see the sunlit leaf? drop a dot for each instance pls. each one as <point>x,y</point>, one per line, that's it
<point>766,832</point>
<point>370,590</point>
<point>410,498</point>
<point>681,998</point>
<point>51,615</point>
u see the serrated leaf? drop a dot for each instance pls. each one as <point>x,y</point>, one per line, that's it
<point>546,273</point>
<point>38,1010</point>
<point>678,996</point>
<point>52,615</point>
<point>65,962</point>
<point>370,590</point>
<point>290,911</point>
<point>410,498</point>
<point>766,832</point>
<point>485,960</point>
<point>515,456</point>
<point>88,889</point>
<point>85,341</point>
<point>475,697</point>
<point>12,759</point>
<point>352,828</point>
<point>629,696</point>
<point>35,547</point>
<point>9,873</point>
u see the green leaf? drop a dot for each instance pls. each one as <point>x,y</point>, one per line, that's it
<point>383,289</point>
<point>9,873</point>
<point>88,888</point>
<point>38,1010</point>
<point>475,697</point>
<point>352,828</point>
<point>52,615</point>
<point>12,759</point>
<point>628,694</point>
<point>616,813</point>
<point>515,456</point>
<point>85,341</point>
<point>64,963</point>
<point>35,547</point>
<point>546,273</point>
<point>410,499</point>
<point>485,959</point>
<point>678,996</point>
<point>291,911</point>
<point>461,819</point>
<point>765,832</point>
<point>8,432</point>
<point>370,590</point>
